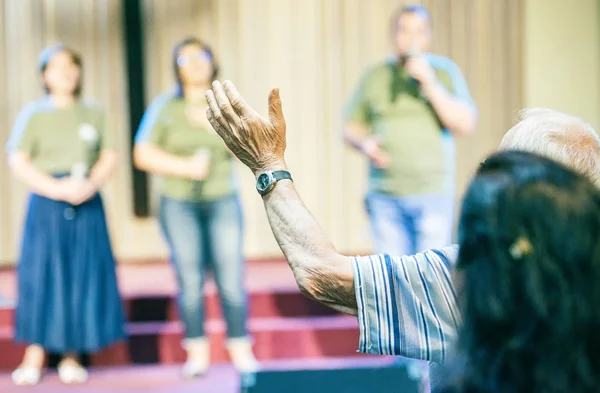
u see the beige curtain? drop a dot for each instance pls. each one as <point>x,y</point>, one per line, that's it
<point>313,50</point>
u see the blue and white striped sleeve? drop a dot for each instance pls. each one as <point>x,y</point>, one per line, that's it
<point>407,305</point>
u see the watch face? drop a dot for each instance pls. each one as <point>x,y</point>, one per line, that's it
<point>263,182</point>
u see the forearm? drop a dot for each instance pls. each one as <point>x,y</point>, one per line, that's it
<point>457,116</point>
<point>104,167</point>
<point>154,160</point>
<point>321,273</point>
<point>27,173</point>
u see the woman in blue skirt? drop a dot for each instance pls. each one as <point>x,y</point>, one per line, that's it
<point>68,301</point>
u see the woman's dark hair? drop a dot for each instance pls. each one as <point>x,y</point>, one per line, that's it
<point>48,53</point>
<point>205,48</point>
<point>529,265</point>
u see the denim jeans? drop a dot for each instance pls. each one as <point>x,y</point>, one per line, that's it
<point>410,224</point>
<point>200,234</point>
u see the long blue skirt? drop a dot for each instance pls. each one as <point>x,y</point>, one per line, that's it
<point>68,300</point>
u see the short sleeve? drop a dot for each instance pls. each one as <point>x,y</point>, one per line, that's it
<point>22,135</point>
<point>357,109</point>
<point>407,305</point>
<point>107,133</point>
<point>152,127</point>
<point>460,89</point>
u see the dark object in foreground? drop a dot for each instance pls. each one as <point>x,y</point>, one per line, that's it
<point>382,375</point>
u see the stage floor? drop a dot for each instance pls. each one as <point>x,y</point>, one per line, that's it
<point>155,379</point>
<point>167,379</point>
<point>156,279</point>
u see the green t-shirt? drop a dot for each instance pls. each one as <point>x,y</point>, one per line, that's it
<point>166,125</point>
<point>390,104</point>
<point>61,140</point>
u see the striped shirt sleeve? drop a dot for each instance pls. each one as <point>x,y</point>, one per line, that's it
<point>407,305</point>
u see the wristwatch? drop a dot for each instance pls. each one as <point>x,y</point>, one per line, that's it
<point>267,180</point>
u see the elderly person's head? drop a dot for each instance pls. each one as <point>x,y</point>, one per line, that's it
<point>564,138</point>
<point>529,263</point>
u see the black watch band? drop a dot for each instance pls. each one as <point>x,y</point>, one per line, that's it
<point>266,181</point>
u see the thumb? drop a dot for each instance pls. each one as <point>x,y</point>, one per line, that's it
<point>275,111</point>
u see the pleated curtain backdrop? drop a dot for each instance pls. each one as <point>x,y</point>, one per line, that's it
<point>313,50</point>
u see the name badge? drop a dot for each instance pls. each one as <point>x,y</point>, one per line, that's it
<point>88,134</point>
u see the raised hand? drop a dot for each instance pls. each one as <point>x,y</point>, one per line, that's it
<point>257,142</point>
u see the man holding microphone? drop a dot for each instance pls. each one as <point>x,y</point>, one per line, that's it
<point>409,108</point>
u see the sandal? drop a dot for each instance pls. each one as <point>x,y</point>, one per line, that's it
<point>69,374</point>
<point>26,376</point>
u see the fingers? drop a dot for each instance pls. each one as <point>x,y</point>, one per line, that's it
<point>223,133</point>
<point>213,106</point>
<point>238,103</point>
<point>275,109</point>
<point>225,106</point>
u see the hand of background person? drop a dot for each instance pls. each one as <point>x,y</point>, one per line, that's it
<point>372,149</point>
<point>419,68</point>
<point>197,167</point>
<point>75,191</point>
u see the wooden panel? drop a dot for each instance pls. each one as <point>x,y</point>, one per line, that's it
<point>313,50</point>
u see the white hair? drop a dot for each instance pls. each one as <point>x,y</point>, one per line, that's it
<point>564,138</point>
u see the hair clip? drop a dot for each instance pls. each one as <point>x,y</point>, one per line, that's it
<point>520,248</point>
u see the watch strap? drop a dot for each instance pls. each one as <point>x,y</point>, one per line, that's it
<point>282,175</point>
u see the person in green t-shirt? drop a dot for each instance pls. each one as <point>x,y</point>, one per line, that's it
<point>200,212</point>
<point>68,300</point>
<point>402,117</point>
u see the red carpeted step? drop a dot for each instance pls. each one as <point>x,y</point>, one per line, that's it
<point>263,304</point>
<point>275,338</point>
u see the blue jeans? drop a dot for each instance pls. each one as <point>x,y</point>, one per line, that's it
<point>410,224</point>
<point>202,233</point>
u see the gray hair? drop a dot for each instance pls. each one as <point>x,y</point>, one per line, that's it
<point>564,138</point>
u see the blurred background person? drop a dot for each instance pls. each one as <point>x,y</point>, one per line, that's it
<point>403,117</point>
<point>68,300</point>
<point>200,211</point>
<point>527,277</point>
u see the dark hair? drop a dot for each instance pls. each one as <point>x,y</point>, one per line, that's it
<point>48,53</point>
<point>178,47</point>
<point>529,262</point>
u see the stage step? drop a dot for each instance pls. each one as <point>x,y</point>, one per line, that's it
<point>275,338</point>
<point>163,307</point>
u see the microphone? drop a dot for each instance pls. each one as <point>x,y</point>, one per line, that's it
<point>415,51</point>
<point>203,154</point>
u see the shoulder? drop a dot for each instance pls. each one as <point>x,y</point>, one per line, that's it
<point>162,101</point>
<point>447,255</point>
<point>440,259</point>
<point>92,108</point>
<point>31,112</point>
<point>441,63</point>
<point>379,70</point>
<point>90,104</point>
<point>34,108</point>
